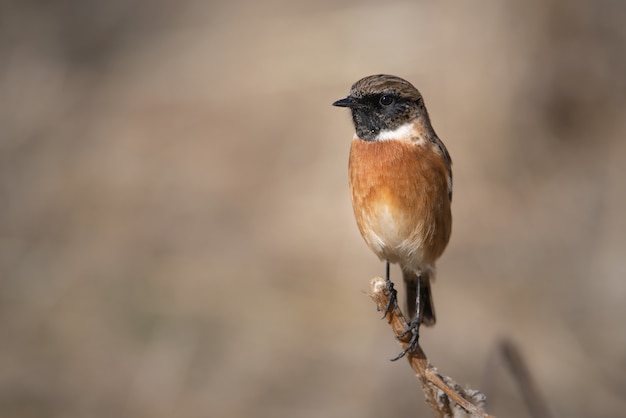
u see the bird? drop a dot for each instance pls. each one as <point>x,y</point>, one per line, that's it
<point>400,177</point>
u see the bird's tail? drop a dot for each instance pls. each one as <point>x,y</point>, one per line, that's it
<point>426,297</point>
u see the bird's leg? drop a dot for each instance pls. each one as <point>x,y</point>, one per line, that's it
<point>414,325</point>
<point>393,294</point>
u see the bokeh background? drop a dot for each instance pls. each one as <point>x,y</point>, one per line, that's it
<point>176,235</point>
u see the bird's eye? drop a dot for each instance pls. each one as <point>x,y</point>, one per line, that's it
<point>385,100</point>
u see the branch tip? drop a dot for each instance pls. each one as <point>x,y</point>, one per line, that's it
<point>445,397</point>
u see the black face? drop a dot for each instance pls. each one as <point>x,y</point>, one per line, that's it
<point>374,113</point>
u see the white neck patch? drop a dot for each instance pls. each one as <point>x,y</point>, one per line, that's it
<point>405,131</point>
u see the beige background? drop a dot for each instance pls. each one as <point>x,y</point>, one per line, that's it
<point>176,236</point>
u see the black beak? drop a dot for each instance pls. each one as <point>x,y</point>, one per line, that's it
<point>350,102</point>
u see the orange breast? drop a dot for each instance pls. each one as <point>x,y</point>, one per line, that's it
<point>400,199</point>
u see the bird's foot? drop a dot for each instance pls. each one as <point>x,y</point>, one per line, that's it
<point>393,298</point>
<point>414,329</point>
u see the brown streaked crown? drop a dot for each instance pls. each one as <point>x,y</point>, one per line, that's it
<point>383,102</point>
<point>383,83</point>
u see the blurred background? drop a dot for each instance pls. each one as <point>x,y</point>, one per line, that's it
<point>176,235</point>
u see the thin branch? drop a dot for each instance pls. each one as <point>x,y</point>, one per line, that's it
<point>537,406</point>
<point>445,397</point>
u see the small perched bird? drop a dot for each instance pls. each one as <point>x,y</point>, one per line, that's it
<point>401,186</point>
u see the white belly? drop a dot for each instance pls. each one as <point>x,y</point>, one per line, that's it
<point>388,238</point>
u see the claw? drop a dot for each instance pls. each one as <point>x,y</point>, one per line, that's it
<point>393,294</point>
<point>393,298</point>
<point>414,328</point>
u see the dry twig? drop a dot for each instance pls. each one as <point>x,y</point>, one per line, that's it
<point>445,397</point>
<point>512,357</point>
